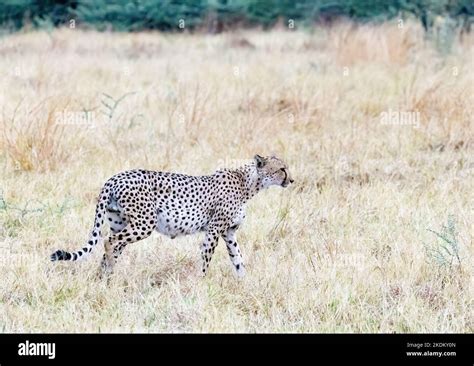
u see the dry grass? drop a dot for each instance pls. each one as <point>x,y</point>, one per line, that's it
<point>32,139</point>
<point>343,250</point>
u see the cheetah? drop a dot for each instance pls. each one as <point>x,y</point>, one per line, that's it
<point>137,202</point>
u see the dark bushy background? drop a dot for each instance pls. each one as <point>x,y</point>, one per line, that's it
<point>216,15</point>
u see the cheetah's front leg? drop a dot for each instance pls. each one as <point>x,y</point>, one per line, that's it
<point>235,255</point>
<point>208,247</point>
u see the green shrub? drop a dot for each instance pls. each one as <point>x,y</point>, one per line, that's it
<point>134,15</point>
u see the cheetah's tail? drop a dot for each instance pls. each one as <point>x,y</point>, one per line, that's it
<point>96,234</point>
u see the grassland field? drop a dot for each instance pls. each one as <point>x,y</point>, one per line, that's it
<point>375,123</point>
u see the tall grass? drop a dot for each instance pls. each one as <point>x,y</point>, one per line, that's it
<point>31,137</point>
<point>342,250</point>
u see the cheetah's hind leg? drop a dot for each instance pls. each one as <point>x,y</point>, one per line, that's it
<point>116,216</point>
<point>117,221</point>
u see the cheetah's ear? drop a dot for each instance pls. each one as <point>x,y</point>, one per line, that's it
<point>260,160</point>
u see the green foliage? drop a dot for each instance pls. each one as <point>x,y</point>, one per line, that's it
<point>20,13</point>
<point>125,15</point>
<point>134,15</point>
<point>445,251</point>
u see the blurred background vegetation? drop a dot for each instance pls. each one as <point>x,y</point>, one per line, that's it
<point>219,15</point>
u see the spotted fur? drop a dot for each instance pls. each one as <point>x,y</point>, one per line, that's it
<point>137,202</point>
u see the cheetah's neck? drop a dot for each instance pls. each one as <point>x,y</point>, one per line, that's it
<point>251,181</point>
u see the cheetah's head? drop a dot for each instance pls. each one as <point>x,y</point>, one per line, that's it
<point>272,171</point>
